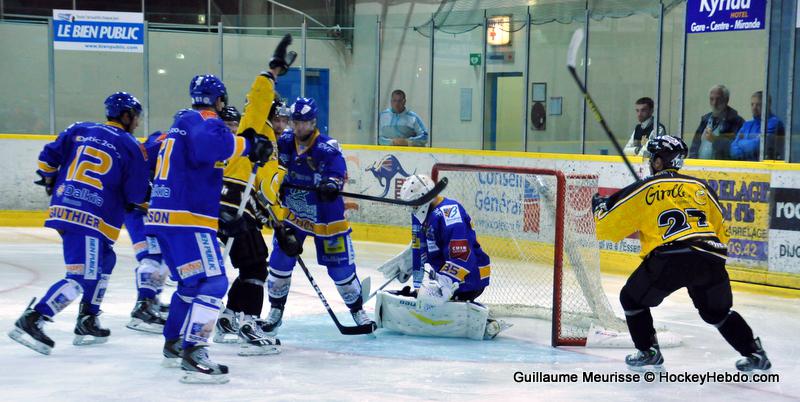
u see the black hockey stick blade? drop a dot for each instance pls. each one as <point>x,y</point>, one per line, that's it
<point>428,197</point>
<point>344,330</point>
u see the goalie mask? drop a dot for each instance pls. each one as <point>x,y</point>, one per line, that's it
<point>413,188</point>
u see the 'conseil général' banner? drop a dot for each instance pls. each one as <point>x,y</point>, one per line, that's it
<point>99,31</point>
<point>724,15</point>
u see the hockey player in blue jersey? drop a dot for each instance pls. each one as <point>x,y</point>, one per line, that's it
<point>150,273</point>
<point>94,172</point>
<point>442,239</point>
<point>183,216</point>
<point>312,160</point>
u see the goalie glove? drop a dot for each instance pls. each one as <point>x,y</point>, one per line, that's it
<point>599,203</point>
<point>437,291</point>
<point>400,266</point>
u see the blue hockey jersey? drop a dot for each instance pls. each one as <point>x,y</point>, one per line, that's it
<point>188,176</point>
<point>308,166</point>
<point>446,241</point>
<point>99,169</point>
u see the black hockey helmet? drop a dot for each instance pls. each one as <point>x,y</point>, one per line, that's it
<point>278,109</point>
<point>672,150</point>
<point>230,113</point>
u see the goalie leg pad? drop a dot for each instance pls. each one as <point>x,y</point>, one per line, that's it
<point>452,319</point>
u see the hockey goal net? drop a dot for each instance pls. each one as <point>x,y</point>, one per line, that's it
<point>538,229</point>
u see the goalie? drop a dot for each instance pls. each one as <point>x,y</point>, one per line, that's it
<point>442,237</point>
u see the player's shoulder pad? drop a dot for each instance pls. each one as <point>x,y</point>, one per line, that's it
<point>450,212</point>
<point>328,145</point>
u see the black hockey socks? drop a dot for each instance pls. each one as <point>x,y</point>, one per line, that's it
<point>736,331</point>
<point>640,325</point>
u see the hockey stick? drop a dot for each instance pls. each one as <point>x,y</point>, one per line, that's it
<point>344,330</point>
<point>381,288</point>
<point>356,330</point>
<point>240,211</point>
<point>572,55</point>
<point>428,197</point>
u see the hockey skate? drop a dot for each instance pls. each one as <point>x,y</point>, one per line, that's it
<point>172,353</point>
<point>28,331</point>
<point>145,317</point>
<point>756,361</point>
<point>88,330</point>
<point>273,322</point>
<point>254,342</point>
<point>227,328</point>
<point>162,308</point>
<point>494,327</point>
<point>361,318</point>
<point>649,360</point>
<point>199,369</point>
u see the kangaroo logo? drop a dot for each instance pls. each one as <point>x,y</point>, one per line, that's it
<point>385,169</point>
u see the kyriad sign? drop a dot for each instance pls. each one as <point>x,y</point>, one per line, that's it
<point>724,15</point>
<point>98,31</point>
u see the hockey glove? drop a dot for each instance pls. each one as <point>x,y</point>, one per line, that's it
<point>599,203</point>
<point>260,147</point>
<point>230,225</point>
<point>281,60</point>
<point>400,266</point>
<point>46,181</point>
<point>328,190</point>
<point>287,240</point>
<point>437,292</point>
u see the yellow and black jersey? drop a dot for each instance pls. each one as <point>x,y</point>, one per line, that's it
<point>237,169</point>
<point>667,208</point>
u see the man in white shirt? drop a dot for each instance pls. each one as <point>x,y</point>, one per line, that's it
<point>400,126</point>
<point>643,131</point>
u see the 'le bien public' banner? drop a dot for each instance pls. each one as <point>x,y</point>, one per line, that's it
<point>724,15</point>
<point>98,31</point>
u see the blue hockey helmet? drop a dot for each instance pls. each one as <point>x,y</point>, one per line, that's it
<point>205,89</point>
<point>120,102</point>
<point>304,109</point>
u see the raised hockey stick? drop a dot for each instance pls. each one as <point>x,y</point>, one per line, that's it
<point>572,56</point>
<point>355,330</point>
<point>428,197</point>
<point>240,211</point>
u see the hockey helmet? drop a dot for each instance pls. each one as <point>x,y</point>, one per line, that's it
<point>230,113</point>
<point>205,89</point>
<point>414,187</point>
<point>304,109</point>
<point>121,102</point>
<point>671,150</point>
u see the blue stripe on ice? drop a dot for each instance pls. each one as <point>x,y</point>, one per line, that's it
<point>318,332</point>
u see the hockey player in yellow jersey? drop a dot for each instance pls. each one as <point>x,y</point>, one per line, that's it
<point>682,231</point>
<point>239,321</point>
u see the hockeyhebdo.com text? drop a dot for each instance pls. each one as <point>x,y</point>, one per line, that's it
<point>663,377</point>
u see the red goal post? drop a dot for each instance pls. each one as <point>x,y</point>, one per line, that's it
<point>537,227</point>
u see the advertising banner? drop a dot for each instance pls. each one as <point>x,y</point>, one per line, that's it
<point>98,31</point>
<point>704,16</point>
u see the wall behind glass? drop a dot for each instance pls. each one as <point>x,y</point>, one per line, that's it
<point>405,63</point>
<point>620,74</point>
<point>458,86</point>
<point>549,43</point>
<point>504,97</point>
<point>734,59</point>
<point>175,58</point>
<point>23,61</point>
<point>85,79</point>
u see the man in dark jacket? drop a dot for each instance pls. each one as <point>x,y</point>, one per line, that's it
<point>716,131</point>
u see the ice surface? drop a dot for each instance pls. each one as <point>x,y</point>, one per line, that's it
<point>317,363</point>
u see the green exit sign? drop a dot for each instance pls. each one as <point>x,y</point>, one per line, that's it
<point>474,59</point>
